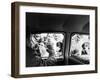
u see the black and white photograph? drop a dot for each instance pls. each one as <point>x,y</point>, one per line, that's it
<point>47,35</point>
<point>52,39</point>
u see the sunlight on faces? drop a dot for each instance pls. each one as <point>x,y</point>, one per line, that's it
<point>38,36</point>
<point>43,51</point>
<point>87,47</point>
<point>77,41</point>
<point>44,39</point>
<point>59,37</point>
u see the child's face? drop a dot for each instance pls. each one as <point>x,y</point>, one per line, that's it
<point>87,46</point>
<point>41,44</point>
<point>38,36</point>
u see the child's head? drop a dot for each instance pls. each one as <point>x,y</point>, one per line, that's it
<point>85,45</point>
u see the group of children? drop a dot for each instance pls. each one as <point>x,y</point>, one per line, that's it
<point>46,46</point>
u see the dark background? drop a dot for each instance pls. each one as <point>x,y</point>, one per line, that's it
<point>43,22</point>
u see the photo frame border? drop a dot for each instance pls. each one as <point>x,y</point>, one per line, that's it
<point>15,39</point>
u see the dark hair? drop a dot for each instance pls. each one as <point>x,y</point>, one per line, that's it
<point>83,45</point>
